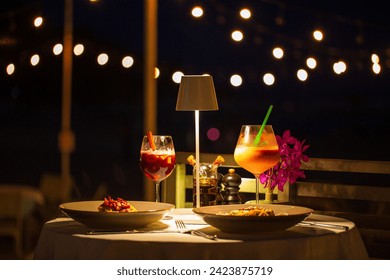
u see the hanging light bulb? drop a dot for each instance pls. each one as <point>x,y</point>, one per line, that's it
<point>236,80</point>
<point>197,12</point>
<point>245,13</point>
<point>318,35</point>
<point>237,35</point>
<point>278,52</point>
<point>311,63</point>
<point>269,79</point>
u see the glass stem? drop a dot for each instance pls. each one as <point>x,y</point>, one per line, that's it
<point>158,191</point>
<point>257,188</point>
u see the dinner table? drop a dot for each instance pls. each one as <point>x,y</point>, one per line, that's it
<point>322,237</point>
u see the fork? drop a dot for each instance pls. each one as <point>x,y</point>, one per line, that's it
<point>182,228</point>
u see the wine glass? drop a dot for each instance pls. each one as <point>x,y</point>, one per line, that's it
<point>255,154</point>
<point>157,159</point>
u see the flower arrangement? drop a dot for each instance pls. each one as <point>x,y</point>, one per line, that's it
<point>288,168</point>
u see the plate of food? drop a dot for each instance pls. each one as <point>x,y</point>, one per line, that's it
<point>244,218</point>
<point>117,213</point>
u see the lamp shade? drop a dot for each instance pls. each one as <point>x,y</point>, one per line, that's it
<point>196,92</point>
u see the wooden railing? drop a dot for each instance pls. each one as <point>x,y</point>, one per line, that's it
<point>358,190</point>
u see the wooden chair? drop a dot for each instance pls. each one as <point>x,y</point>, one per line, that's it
<point>11,220</point>
<point>54,190</point>
<point>177,188</point>
<point>358,190</point>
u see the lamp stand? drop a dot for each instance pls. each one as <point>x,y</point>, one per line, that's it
<point>197,161</point>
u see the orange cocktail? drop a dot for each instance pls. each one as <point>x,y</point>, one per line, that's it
<point>257,150</point>
<point>257,159</point>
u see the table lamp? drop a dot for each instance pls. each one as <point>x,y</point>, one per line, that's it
<point>197,93</point>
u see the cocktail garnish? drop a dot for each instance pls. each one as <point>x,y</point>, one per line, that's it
<point>150,139</point>
<point>258,136</point>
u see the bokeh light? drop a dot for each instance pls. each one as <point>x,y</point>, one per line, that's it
<point>102,58</point>
<point>78,49</point>
<point>127,61</point>
<point>34,60</point>
<point>376,68</point>
<point>269,79</point>
<point>318,35</point>
<point>245,13</point>
<point>176,77</point>
<point>237,35</point>
<point>57,49</point>
<point>278,52</point>
<point>213,134</point>
<point>339,67</point>
<point>302,74</point>
<point>311,63</point>
<point>38,21</point>
<point>197,12</point>
<point>10,69</point>
<point>236,80</point>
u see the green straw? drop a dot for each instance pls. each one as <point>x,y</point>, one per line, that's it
<point>258,136</point>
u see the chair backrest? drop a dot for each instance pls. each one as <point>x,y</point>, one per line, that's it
<point>178,187</point>
<point>11,206</point>
<point>54,189</point>
<point>358,190</point>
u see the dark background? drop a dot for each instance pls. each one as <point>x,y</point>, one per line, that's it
<point>342,116</point>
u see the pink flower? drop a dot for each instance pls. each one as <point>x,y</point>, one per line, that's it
<point>288,168</point>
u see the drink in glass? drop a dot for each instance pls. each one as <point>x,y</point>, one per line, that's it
<point>157,159</point>
<point>256,156</point>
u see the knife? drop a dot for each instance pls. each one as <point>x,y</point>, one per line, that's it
<point>320,224</point>
<point>192,232</point>
<point>101,232</point>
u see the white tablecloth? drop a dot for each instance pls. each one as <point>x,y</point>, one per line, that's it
<point>64,238</point>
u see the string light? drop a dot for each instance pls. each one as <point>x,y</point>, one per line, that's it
<point>57,49</point>
<point>34,60</point>
<point>10,69</point>
<point>269,79</point>
<point>311,63</point>
<point>278,52</point>
<point>176,77</point>
<point>38,21</point>
<point>302,74</point>
<point>374,58</point>
<point>127,61</point>
<point>102,58</point>
<point>197,12</point>
<point>245,13</point>
<point>318,35</point>
<point>339,67</point>
<point>78,49</point>
<point>237,35</point>
<point>376,68</point>
<point>236,80</point>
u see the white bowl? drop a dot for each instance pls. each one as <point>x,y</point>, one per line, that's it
<point>285,216</point>
<point>86,212</point>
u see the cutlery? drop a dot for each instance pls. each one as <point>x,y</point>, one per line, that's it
<point>182,228</point>
<point>320,224</point>
<point>101,232</point>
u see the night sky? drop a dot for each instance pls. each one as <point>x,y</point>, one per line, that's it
<point>340,116</point>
